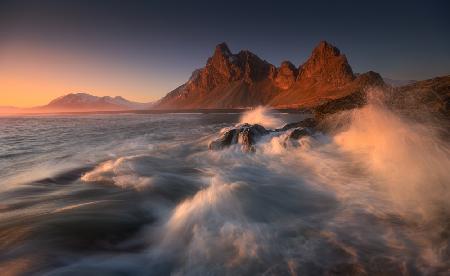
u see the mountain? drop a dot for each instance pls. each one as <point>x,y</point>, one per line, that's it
<point>325,76</point>
<point>228,80</point>
<point>81,102</point>
<point>244,80</point>
<point>87,102</point>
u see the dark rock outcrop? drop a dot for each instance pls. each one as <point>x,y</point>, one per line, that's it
<point>351,101</point>
<point>299,132</point>
<point>308,122</point>
<point>246,135</point>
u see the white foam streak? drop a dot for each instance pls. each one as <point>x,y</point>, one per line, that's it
<point>120,172</point>
<point>209,225</point>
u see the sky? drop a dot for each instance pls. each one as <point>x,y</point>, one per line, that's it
<point>144,49</point>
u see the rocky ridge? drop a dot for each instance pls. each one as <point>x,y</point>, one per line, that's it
<point>244,80</point>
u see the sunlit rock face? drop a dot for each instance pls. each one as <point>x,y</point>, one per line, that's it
<point>244,80</point>
<point>325,77</point>
<point>326,66</point>
<point>286,75</point>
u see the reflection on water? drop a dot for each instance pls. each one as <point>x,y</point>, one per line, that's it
<point>141,194</point>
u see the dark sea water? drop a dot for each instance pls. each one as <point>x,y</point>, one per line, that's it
<point>141,194</point>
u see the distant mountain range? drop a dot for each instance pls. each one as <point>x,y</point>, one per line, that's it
<point>244,80</point>
<point>81,102</point>
<point>84,101</point>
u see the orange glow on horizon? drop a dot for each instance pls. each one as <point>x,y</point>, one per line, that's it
<point>32,77</point>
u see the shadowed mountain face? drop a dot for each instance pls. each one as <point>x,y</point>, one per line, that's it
<point>243,80</point>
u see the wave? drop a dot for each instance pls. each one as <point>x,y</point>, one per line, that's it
<point>407,160</point>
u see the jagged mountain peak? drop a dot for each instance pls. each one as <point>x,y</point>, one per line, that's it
<point>241,80</point>
<point>326,65</point>
<point>287,64</point>
<point>222,49</point>
<point>325,49</point>
<point>286,75</point>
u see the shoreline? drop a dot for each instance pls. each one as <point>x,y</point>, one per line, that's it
<point>160,111</point>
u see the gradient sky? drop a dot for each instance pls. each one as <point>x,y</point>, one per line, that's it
<point>143,49</point>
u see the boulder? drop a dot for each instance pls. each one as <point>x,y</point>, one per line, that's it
<point>298,133</point>
<point>308,122</point>
<point>245,134</point>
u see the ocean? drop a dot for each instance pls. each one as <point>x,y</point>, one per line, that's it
<point>141,194</point>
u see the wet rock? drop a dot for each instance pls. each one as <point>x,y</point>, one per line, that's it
<point>227,138</point>
<point>246,135</point>
<point>309,123</point>
<point>292,136</point>
<point>299,132</point>
<point>355,100</point>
